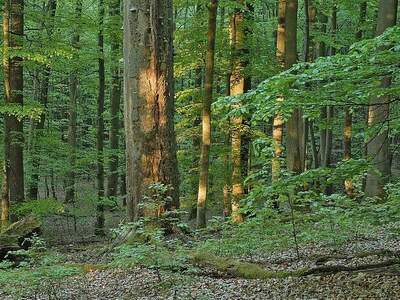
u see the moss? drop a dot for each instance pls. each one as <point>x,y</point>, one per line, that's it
<point>241,269</point>
<point>23,227</point>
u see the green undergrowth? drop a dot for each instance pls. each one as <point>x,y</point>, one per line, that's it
<point>269,232</point>
<point>23,281</point>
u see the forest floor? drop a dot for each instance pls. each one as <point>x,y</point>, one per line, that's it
<point>359,267</point>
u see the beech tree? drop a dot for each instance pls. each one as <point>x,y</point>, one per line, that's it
<point>378,115</point>
<point>100,124</point>
<point>239,84</point>
<point>115,98</point>
<point>73,106</point>
<point>206,115</point>
<point>13,35</point>
<point>149,101</point>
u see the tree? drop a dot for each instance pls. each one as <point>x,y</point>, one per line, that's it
<point>43,94</point>
<point>73,99</point>
<point>277,130</point>
<point>115,41</point>
<point>378,115</point>
<point>149,101</point>
<point>13,35</point>
<point>239,84</point>
<point>206,115</point>
<point>295,158</point>
<point>348,118</point>
<point>100,124</point>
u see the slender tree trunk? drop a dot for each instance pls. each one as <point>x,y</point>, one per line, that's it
<point>50,12</point>
<point>315,156</point>
<point>323,19</point>
<point>206,118</point>
<point>277,131</point>
<point>149,101</point>
<point>73,99</point>
<point>378,115</point>
<point>330,109</point>
<point>112,184</point>
<point>5,204</point>
<point>53,185</point>
<point>348,114</point>
<point>13,32</point>
<point>100,124</point>
<point>227,166</point>
<point>295,122</point>
<point>238,84</point>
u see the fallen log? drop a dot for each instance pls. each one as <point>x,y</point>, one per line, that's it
<point>246,270</point>
<point>13,237</point>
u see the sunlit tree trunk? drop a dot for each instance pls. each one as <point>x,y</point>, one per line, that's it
<point>73,102</point>
<point>206,118</point>
<point>149,100</point>
<point>13,32</point>
<point>238,84</point>
<point>277,131</point>
<point>378,115</point>
<point>100,124</point>
<point>226,190</point>
<point>115,98</point>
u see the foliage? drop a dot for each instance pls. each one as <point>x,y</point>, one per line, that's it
<point>41,207</point>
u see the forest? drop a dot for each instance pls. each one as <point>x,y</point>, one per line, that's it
<point>200,149</point>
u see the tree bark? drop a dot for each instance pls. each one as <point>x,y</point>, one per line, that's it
<point>100,125</point>
<point>348,117</point>
<point>238,84</point>
<point>295,122</point>
<point>13,32</point>
<point>206,118</point>
<point>378,115</point>
<point>73,99</point>
<point>38,127</point>
<point>277,127</point>
<point>112,184</point>
<point>149,101</point>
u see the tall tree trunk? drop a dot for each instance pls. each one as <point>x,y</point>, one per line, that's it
<point>149,101</point>
<point>227,163</point>
<point>277,131</point>
<point>378,114</point>
<point>308,56</point>
<point>100,124</point>
<point>50,12</point>
<point>13,32</point>
<point>238,84</point>
<point>112,184</point>
<point>309,26</point>
<point>348,114</point>
<point>73,99</point>
<point>323,19</point>
<point>295,122</point>
<point>206,116</point>
<point>330,111</point>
